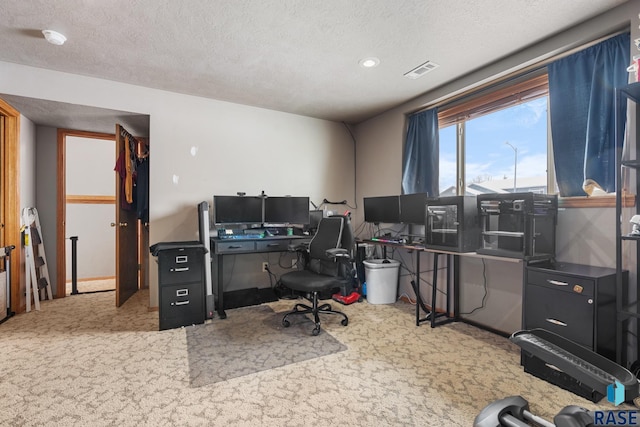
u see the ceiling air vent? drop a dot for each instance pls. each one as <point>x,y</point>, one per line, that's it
<point>421,70</point>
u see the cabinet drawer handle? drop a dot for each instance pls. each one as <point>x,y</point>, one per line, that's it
<point>182,302</point>
<point>235,247</point>
<point>557,282</point>
<point>555,322</point>
<point>273,245</point>
<point>177,270</point>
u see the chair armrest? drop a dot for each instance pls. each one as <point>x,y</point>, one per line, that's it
<point>337,253</point>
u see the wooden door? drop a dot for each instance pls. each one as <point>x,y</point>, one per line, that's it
<point>10,188</point>
<point>126,226</point>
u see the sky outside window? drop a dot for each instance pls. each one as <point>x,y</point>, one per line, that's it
<point>489,158</point>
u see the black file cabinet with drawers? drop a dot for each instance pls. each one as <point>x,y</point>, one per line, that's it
<point>575,301</point>
<point>180,283</point>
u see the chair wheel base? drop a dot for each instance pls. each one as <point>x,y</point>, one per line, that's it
<point>315,310</point>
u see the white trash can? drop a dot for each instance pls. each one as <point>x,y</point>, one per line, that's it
<point>381,277</point>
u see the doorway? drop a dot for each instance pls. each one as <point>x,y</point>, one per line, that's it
<point>95,205</point>
<point>9,195</point>
<point>90,203</point>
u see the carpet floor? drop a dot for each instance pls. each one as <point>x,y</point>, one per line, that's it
<point>252,339</point>
<point>81,361</point>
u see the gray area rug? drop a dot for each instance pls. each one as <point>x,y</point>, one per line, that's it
<point>249,340</point>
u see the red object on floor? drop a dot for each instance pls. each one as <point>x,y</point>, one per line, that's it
<point>347,299</point>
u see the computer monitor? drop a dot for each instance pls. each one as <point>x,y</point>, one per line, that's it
<point>412,208</point>
<point>382,209</point>
<point>286,210</point>
<point>237,209</point>
<point>315,217</point>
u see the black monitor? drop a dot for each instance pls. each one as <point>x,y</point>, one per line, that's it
<point>315,217</point>
<point>412,208</point>
<point>286,210</point>
<point>382,209</point>
<point>237,209</point>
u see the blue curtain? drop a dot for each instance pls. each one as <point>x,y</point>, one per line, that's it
<point>421,154</point>
<point>582,107</point>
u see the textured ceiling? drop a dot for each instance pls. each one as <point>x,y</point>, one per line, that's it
<point>295,56</point>
<point>79,117</point>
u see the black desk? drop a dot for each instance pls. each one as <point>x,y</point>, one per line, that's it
<point>452,314</point>
<point>452,283</point>
<point>222,247</point>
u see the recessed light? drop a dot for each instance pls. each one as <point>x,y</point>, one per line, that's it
<point>369,62</point>
<point>54,37</point>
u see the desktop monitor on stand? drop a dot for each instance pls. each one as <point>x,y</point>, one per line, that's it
<point>315,216</point>
<point>383,209</point>
<point>237,209</point>
<point>412,214</point>
<point>287,210</point>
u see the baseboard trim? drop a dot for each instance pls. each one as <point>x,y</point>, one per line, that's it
<point>91,279</point>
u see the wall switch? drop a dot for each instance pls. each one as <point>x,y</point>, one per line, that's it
<point>265,266</point>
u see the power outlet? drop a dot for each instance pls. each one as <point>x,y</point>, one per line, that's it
<point>265,267</point>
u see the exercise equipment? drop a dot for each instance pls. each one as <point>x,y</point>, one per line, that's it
<point>594,371</point>
<point>514,411</point>
<point>587,367</point>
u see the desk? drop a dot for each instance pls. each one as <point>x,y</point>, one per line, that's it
<point>431,315</point>
<point>222,247</point>
<point>452,314</point>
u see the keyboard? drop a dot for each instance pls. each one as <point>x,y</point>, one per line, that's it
<point>240,236</point>
<point>582,364</point>
<point>387,240</point>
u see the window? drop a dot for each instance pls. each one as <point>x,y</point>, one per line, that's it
<point>500,138</point>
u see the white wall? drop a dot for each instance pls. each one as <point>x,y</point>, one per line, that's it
<point>240,148</point>
<point>27,180</point>
<point>584,235</point>
<point>27,163</point>
<point>46,188</point>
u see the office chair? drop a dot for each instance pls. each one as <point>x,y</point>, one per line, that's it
<point>329,266</point>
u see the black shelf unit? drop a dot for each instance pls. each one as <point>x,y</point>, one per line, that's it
<point>625,309</point>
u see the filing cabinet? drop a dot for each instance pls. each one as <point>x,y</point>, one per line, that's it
<point>180,283</point>
<point>575,301</point>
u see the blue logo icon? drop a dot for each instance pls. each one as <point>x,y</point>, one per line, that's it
<point>615,393</point>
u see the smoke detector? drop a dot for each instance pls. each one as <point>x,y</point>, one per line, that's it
<point>54,37</point>
<point>421,70</point>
